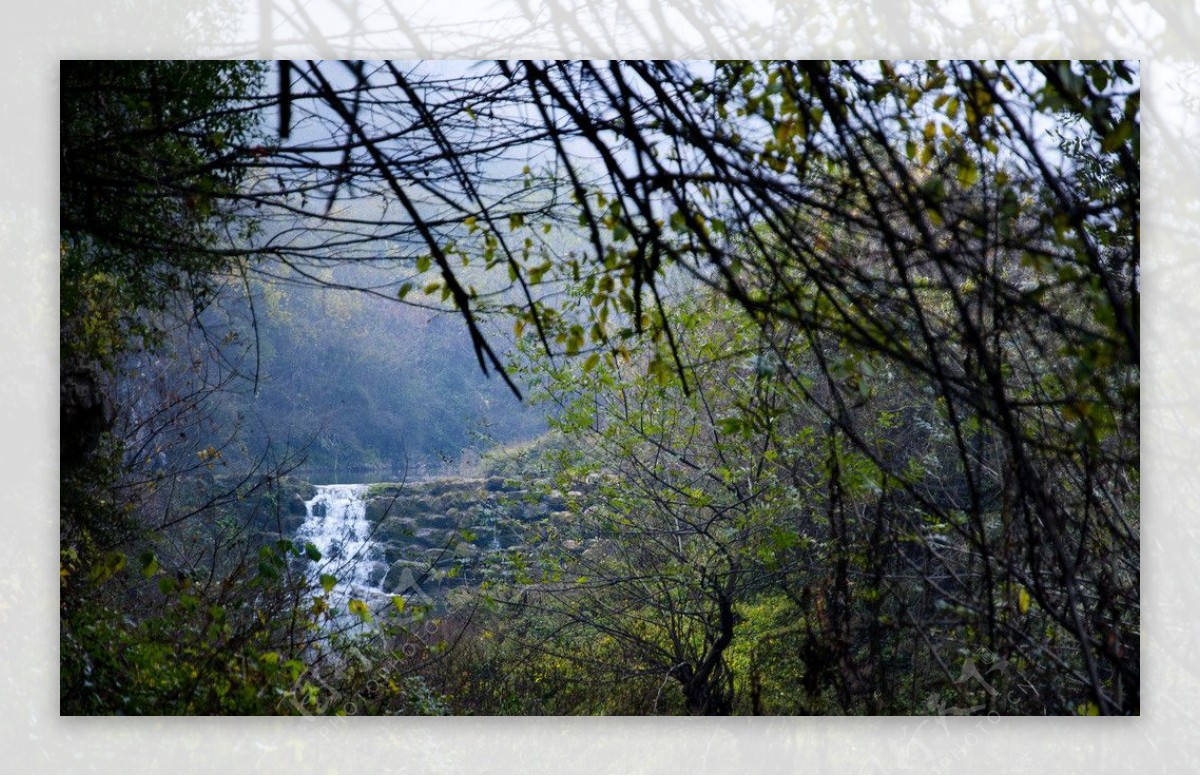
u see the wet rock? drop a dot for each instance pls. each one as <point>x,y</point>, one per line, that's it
<point>295,505</point>
<point>376,574</point>
<point>377,509</point>
<point>292,523</point>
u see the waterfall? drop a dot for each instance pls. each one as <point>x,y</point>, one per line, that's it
<point>336,523</point>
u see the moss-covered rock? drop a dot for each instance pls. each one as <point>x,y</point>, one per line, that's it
<point>392,551</point>
<point>396,529</point>
<point>440,487</point>
<point>517,509</point>
<point>377,509</point>
<point>388,489</point>
<point>442,521</point>
<point>397,505</point>
<point>401,576</point>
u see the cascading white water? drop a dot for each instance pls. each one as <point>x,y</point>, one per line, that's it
<point>336,523</point>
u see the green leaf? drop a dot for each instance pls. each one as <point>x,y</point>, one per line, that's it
<point>404,289</point>
<point>730,425</point>
<point>149,564</point>
<point>1119,135</point>
<point>424,262</point>
<point>327,582</point>
<point>968,173</point>
<point>311,552</point>
<point>590,363</point>
<point>398,602</point>
<point>110,564</point>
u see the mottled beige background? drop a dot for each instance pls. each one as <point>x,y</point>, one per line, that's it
<point>1162,33</point>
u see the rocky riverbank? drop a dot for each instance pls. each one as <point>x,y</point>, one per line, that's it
<point>451,530</point>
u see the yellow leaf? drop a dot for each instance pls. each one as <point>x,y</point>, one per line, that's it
<point>360,608</point>
<point>1023,600</point>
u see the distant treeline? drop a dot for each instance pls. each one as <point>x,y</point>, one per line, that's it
<point>361,383</point>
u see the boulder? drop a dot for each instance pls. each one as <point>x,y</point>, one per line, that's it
<point>395,529</point>
<point>554,501</point>
<point>443,521</point>
<point>402,576</point>
<point>386,489</point>
<point>392,552</point>
<point>377,509</point>
<point>295,505</point>
<point>292,523</point>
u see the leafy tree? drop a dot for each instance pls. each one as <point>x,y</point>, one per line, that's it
<point>915,220</point>
<point>146,175</point>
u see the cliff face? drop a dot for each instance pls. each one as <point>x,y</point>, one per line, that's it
<point>86,412</point>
